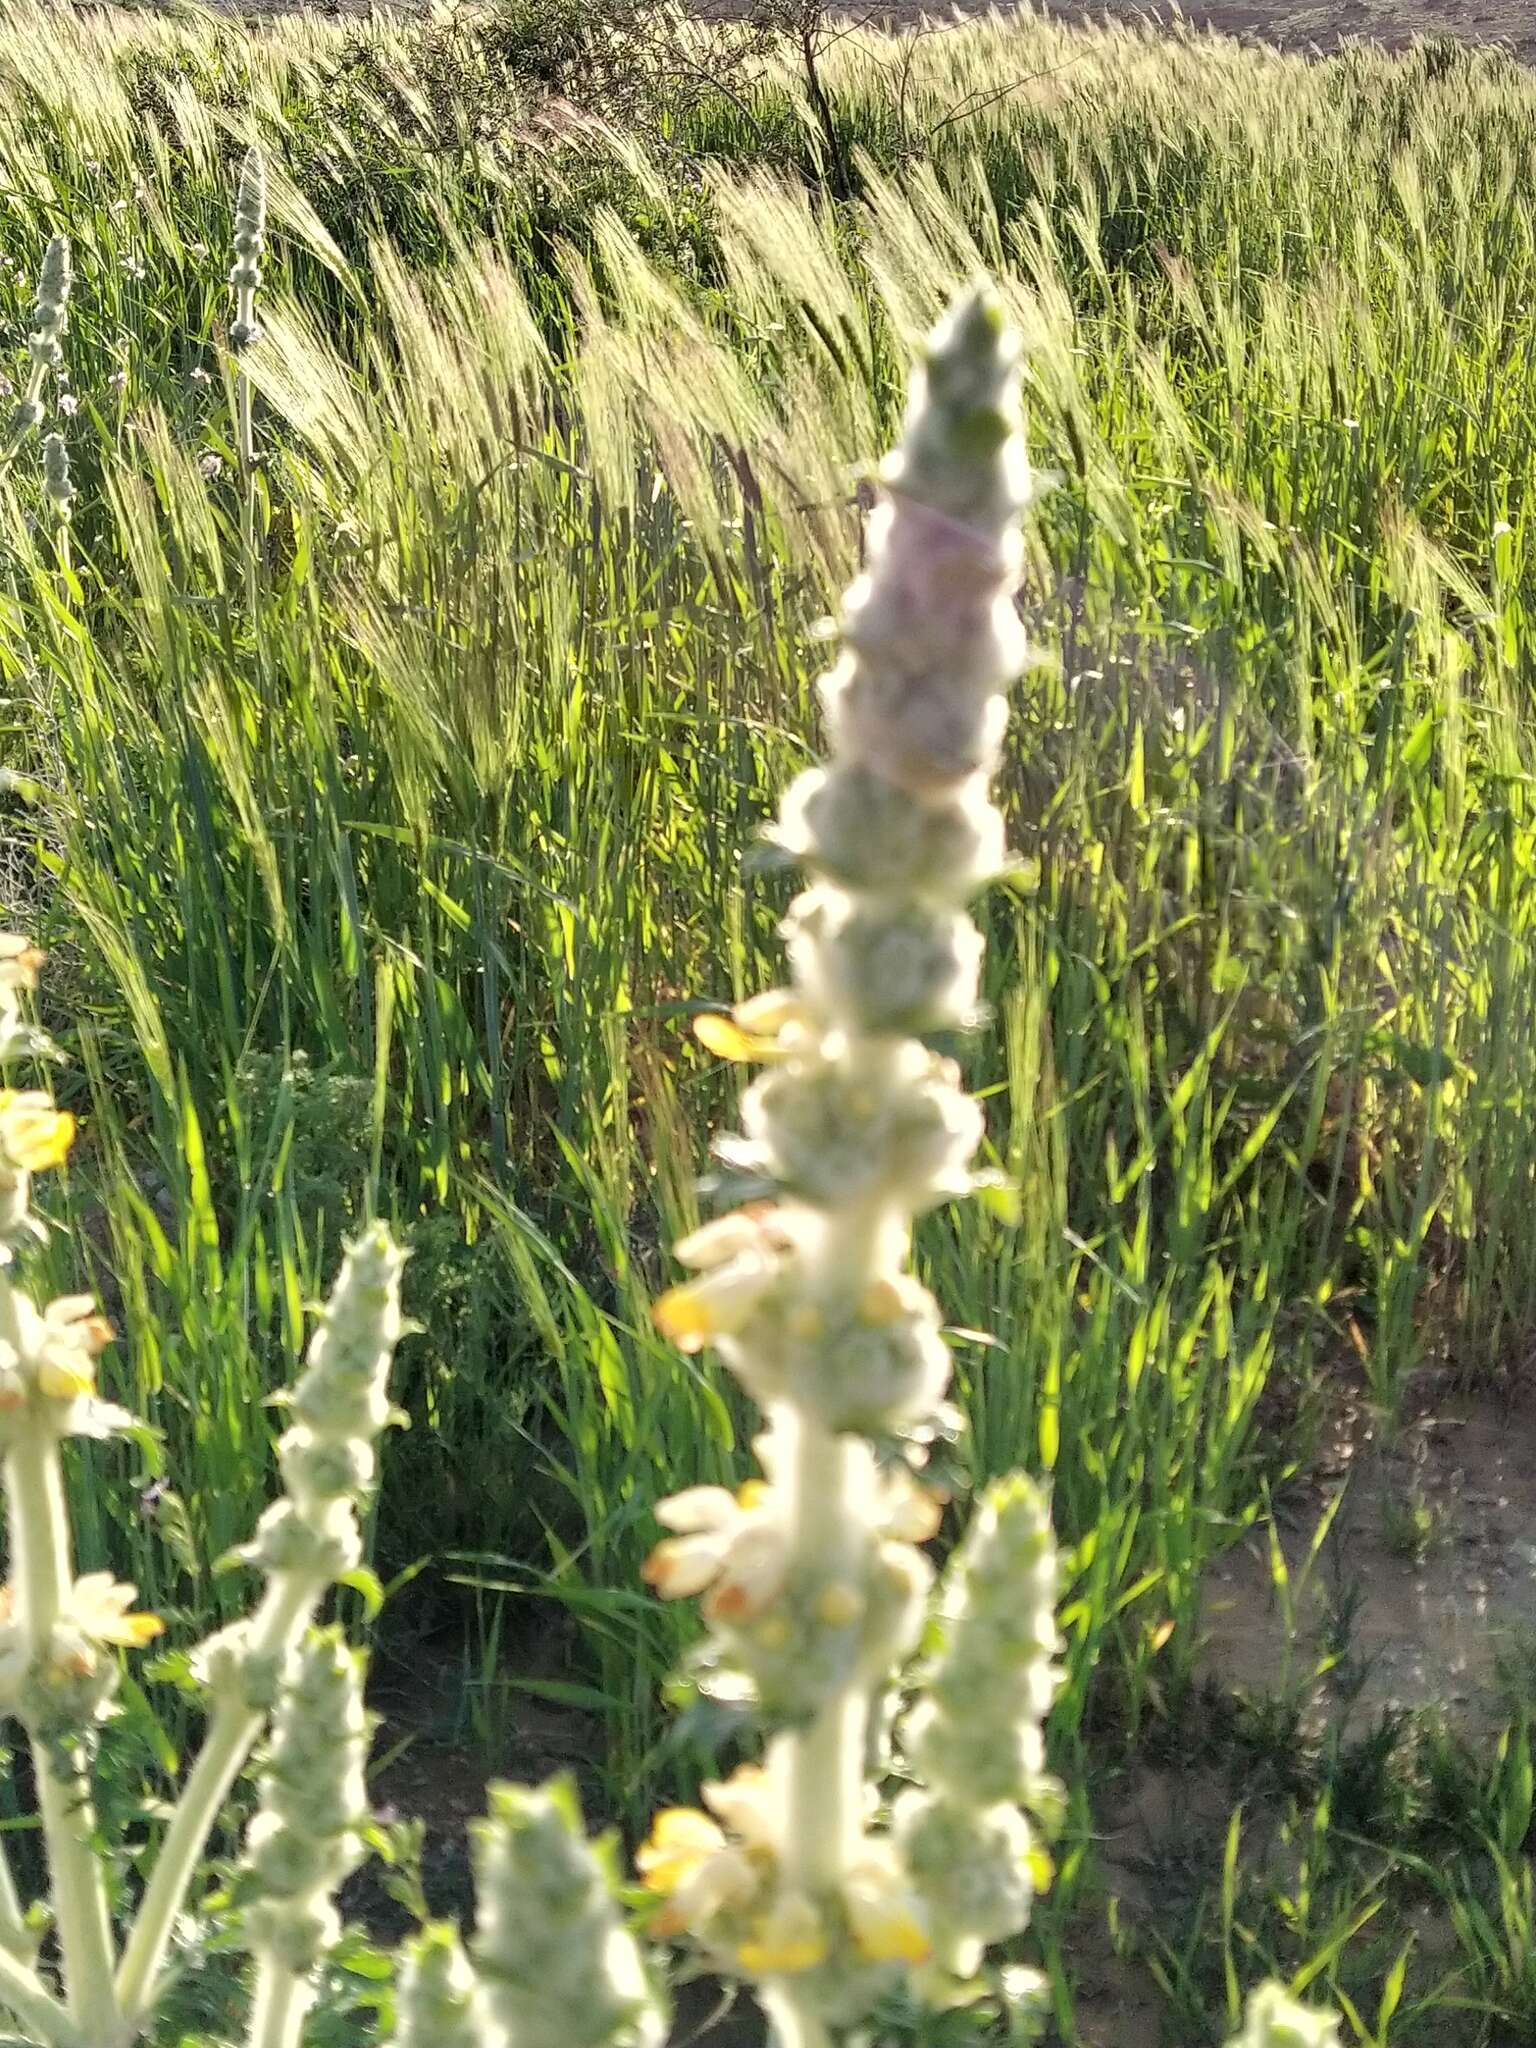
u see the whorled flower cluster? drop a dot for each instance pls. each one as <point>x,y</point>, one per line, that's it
<point>974,1740</point>
<point>58,485</point>
<point>60,1686</point>
<point>45,339</point>
<point>327,1456</point>
<point>313,1803</point>
<point>557,1967</point>
<point>250,243</point>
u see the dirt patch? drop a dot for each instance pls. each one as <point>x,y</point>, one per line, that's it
<point>1422,1590</point>
<point>1287,24</point>
<point>1322,27</point>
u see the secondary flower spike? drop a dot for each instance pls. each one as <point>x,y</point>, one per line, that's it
<point>556,1965</point>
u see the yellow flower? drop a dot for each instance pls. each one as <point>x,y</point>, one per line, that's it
<point>33,1134</point>
<point>98,1607</point>
<point>724,1037</point>
<point>681,1839</point>
<point>689,1863</point>
<point>885,1917</point>
<point>764,1027</point>
<point>787,1939</point>
<point>65,1343</point>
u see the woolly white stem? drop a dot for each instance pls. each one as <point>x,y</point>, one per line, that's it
<point>790,2024</point>
<point>286,1610</point>
<point>13,1930</point>
<point>40,1562</point>
<point>281,2000</point>
<point>23,1993</point>
<point>820,1769</point>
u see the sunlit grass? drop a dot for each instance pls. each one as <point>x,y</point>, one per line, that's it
<point>555,482</point>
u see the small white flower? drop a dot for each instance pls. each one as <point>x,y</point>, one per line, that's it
<point>733,1544</point>
<point>19,963</point>
<point>118,380</point>
<point>211,466</point>
<point>738,1259</point>
<point>745,1803</point>
<point>1272,2019</point>
<point>68,404</point>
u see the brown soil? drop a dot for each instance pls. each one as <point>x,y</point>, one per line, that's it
<point>1423,1588</point>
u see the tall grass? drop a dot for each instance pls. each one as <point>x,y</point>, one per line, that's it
<point>388,891</point>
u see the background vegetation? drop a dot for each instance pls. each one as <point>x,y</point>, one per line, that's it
<point>398,886</point>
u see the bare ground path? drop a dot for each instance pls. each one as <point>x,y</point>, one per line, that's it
<point>1322,25</point>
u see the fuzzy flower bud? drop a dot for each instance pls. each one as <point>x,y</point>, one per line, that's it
<point>971,1867</point>
<point>883,966</point>
<point>977,1731</point>
<point>45,342</point>
<point>835,1132</point>
<point>437,2000</point>
<point>930,633</point>
<point>339,1406</point>
<point>250,242</point>
<point>854,827</point>
<point>1273,2019</point>
<point>558,1968</point>
<point>57,487</point>
<point>875,1364</point>
<point>50,309</point>
<point>305,1836</point>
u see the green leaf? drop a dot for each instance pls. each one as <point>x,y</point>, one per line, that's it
<point>365,1581</point>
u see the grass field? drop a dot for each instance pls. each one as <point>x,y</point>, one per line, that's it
<point>384,863</point>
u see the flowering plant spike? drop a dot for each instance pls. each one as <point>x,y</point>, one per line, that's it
<point>45,340</point>
<point>814,1588</point>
